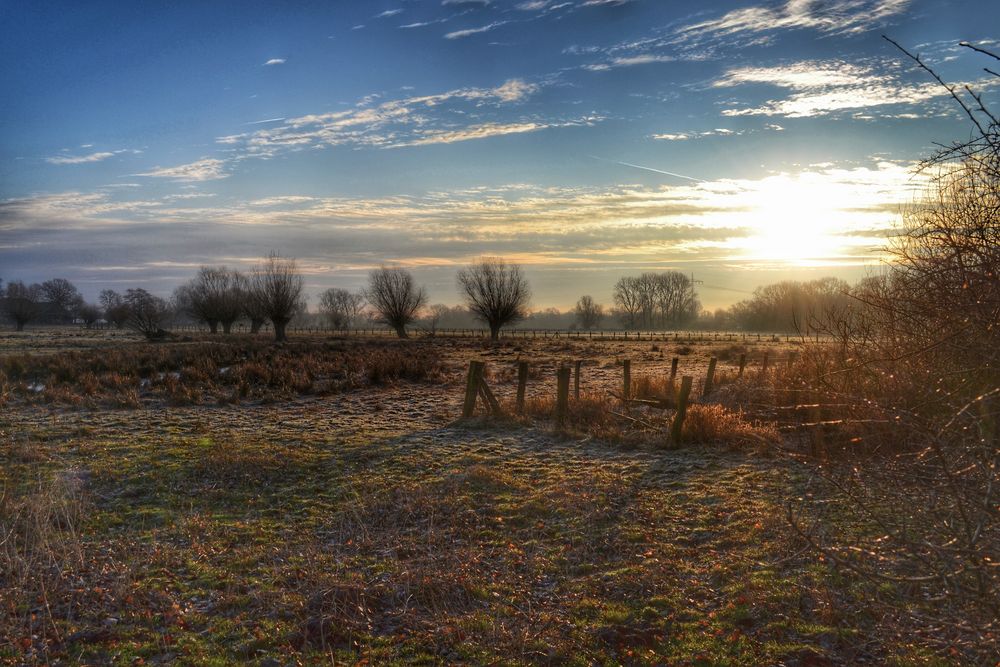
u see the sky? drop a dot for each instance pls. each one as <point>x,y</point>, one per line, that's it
<point>742,142</point>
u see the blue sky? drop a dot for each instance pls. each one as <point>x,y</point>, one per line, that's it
<point>586,139</point>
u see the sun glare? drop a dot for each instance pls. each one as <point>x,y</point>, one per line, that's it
<point>800,220</point>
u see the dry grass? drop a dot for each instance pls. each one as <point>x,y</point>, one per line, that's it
<point>600,415</point>
<point>239,369</point>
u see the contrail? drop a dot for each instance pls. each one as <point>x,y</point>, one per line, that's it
<point>655,171</point>
<point>266,120</point>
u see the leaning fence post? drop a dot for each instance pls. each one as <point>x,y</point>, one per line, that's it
<point>562,393</point>
<point>673,373</point>
<point>709,377</point>
<point>522,381</point>
<point>626,379</point>
<point>682,404</point>
<point>472,388</point>
<point>576,379</point>
<point>743,363</point>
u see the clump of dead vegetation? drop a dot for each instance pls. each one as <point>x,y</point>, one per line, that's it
<point>604,416</point>
<point>243,369</point>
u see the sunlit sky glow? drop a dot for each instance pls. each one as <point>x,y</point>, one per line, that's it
<point>741,141</point>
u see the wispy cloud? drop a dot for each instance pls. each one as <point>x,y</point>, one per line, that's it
<point>91,157</point>
<point>275,61</point>
<point>459,34</point>
<point>207,169</point>
<point>631,61</point>
<point>411,121</point>
<point>79,159</point>
<point>387,13</point>
<point>829,17</point>
<point>818,88</point>
<point>486,131</point>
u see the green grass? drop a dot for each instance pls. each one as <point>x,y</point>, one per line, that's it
<point>221,545</point>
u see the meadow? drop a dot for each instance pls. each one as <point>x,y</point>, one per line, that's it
<point>218,500</point>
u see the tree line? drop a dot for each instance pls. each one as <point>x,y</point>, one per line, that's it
<point>496,294</point>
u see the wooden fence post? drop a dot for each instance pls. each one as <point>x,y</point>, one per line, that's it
<point>682,404</point>
<point>576,379</point>
<point>743,363</point>
<point>709,377</point>
<point>562,393</point>
<point>522,381</point>
<point>673,373</point>
<point>763,366</point>
<point>626,379</point>
<point>472,388</point>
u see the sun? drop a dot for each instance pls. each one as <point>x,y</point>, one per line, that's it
<point>797,221</point>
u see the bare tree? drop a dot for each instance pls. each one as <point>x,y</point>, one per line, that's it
<point>656,300</point>
<point>588,312</point>
<point>113,305</point>
<point>62,294</point>
<point>88,314</point>
<point>340,307</point>
<point>213,297</point>
<point>394,295</point>
<point>496,293</point>
<point>253,310</point>
<point>275,290</point>
<point>434,315</point>
<point>146,313</point>
<point>22,303</point>
<point>921,347</point>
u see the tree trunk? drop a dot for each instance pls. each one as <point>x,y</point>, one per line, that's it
<point>227,327</point>
<point>255,326</point>
<point>279,330</point>
<point>213,326</point>
<point>495,331</point>
<point>401,331</point>
<point>19,325</point>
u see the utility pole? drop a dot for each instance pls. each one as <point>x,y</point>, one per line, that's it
<point>693,281</point>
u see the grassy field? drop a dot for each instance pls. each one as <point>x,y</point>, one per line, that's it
<point>206,502</point>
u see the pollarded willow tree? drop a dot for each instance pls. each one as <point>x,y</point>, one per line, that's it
<point>214,297</point>
<point>394,295</point>
<point>497,293</point>
<point>274,289</point>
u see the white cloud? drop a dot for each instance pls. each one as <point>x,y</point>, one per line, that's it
<point>818,88</point>
<point>207,169</point>
<point>630,61</point>
<point>459,34</point>
<point>404,122</point>
<point>826,16</point>
<point>387,13</point>
<point>514,90</point>
<point>275,61</point>
<point>79,159</point>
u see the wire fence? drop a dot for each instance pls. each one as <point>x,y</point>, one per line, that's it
<point>636,335</point>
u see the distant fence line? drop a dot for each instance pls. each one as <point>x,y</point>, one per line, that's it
<point>527,334</point>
